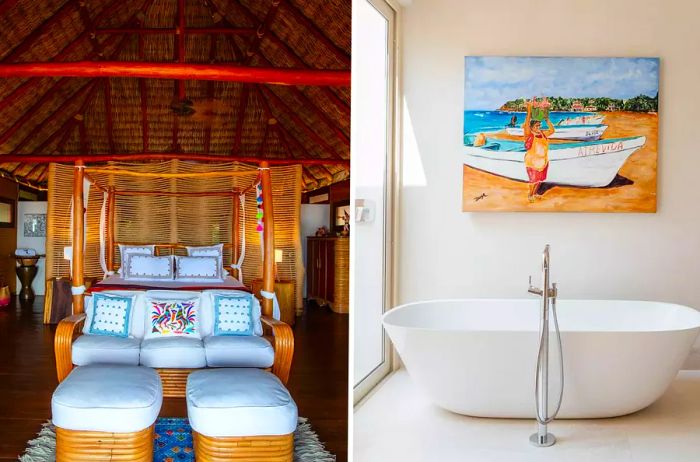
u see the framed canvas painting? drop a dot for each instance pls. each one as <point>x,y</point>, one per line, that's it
<point>560,134</point>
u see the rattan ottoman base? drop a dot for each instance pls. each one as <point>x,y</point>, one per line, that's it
<point>249,448</point>
<point>83,446</point>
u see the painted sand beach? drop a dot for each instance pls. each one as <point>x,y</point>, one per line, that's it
<point>484,191</point>
<point>586,142</point>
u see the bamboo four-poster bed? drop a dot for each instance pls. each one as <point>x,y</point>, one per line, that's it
<point>276,332</point>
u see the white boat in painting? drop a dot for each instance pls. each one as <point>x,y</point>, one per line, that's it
<point>570,132</point>
<point>587,164</point>
<point>582,120</point>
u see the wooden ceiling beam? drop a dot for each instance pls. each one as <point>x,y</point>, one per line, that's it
<point>340,134</point>
<point>81,111</point>
<point>109,124</point>
<point>240,118</point>
<point>69,7</point>
<point>30,84</point>
<point>342,106</point>
<point>83,107</point>
<point>262,29</point>
<point>66,136</point>
<point>87,89</point>
<point>300,17</point>
<point>155,156</point>
<point>299,122</point>
<point>239,31</point>
<point>6,5</point>
<point>89,26</point>
<point>143,95</point>
<point>178,71</point>
<point>210,93</point>
<point>44,99</point>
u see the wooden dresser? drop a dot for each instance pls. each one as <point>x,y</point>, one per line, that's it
<point>328,271</point>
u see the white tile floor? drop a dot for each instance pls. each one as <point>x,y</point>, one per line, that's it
<point>398,423</point>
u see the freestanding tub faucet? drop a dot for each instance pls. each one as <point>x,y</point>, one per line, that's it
<point>542,438</point>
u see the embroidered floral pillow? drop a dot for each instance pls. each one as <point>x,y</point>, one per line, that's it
<point>173,318</point>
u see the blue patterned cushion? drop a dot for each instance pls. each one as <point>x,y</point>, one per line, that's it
<point>233,314</point>
<point>111,315</point>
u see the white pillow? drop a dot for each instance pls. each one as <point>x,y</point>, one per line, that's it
<point>137,312</point>
<point>209,310</point>
<point>198,269</point>
<point>126,250</point>
<point>208,251</point>
<point>148,268</point>
<point>111,315</point>
<point>172,317</point>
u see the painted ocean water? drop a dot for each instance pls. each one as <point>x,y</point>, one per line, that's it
<point>493,121</point>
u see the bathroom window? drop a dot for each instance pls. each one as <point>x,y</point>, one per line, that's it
<point>372,189</point>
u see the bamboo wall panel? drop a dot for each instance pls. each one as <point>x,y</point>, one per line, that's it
<point>181,219</point>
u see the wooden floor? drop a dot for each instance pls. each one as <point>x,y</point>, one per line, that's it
<point>318,379</point>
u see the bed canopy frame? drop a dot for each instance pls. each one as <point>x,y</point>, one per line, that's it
<point>83,173</point>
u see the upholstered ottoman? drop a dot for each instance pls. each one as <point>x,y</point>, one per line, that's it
<point>106,412</point>
<point>240,414</point>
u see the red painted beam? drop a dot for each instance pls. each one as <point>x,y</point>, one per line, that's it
<point>240,31</point>
<point>150,70</point>
<point>310,132</point>
<point>107,86</point>
<point>47,158</point>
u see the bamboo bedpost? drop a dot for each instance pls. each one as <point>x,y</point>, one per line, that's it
<point>268,283</point>
<point>77,276</point>
<point>236,232</point>
<point>111,203</point>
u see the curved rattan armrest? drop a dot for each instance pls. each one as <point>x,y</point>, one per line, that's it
<point>67,330</point>
<point>283,345</point>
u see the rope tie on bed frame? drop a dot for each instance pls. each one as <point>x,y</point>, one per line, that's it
<point>77,290</point>
<point>103,226</point>
<point>239,264</point>
<point>275,304</point>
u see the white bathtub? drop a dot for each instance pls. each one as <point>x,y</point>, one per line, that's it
<point>478,357</point>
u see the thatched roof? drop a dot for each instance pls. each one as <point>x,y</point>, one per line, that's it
<point>97,116</point>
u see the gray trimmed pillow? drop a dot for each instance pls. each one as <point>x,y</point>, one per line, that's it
<point>148,268</point>
<point>126,250</point>
<point>199,269</point>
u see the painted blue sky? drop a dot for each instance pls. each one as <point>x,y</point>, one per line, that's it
<point>490,81</point>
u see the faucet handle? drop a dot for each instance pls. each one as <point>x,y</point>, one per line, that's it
<point>529,280</point>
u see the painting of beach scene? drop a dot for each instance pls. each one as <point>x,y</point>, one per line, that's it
<point>550,134</point>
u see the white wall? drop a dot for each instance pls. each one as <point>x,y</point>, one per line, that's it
<point>447,253</point>
<point>37,243</point>
<point>313,216</point>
